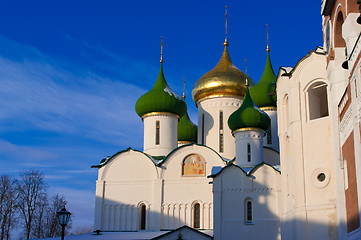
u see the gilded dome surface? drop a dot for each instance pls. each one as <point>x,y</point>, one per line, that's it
<point>224,79</point>
<point>160,99</point>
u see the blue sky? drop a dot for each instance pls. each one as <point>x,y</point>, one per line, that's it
<point>71,72</point>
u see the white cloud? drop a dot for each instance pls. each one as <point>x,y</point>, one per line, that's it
<point>39,93</point>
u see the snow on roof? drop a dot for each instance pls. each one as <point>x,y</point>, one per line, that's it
<point>146,235</point>
<point>112,236</point>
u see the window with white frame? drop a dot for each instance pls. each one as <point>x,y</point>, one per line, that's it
<point>317,100</point>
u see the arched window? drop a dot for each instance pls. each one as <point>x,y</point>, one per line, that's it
<point>269,134</point>
<point>317,100</point>
<point>248,152</point>
<point>193,165</point>
<point>221,131</point>
<point>196,215</point>
<point>157,132</point>
<point>339,41</point>
<point>142,218</point>
<point>249,211</point>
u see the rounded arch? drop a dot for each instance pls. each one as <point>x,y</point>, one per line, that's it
<point>338,21</point>
<point>143,210</point>
<point>196,214</point>
<point>317,99</point>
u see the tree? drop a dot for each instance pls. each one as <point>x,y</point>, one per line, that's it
<point>8,198</point>
<point>32,198</point>
<point>52,221</point>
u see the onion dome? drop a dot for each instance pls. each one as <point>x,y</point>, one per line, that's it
<point>187,131</point>
<point>224,79</point>
<point>248,115</point>
<point>263,94</point>
<point>161,99</point>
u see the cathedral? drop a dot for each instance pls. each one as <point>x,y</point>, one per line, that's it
<point>280,159</point>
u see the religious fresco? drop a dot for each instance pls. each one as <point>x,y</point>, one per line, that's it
<point>194,165</point>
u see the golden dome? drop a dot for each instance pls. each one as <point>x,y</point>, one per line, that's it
<point>224,79</point>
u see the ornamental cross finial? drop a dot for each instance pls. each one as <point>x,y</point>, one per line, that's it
<point>246,65</point>
<point>184,88</point>
<point>161,49</point>
<point>246,73</point>
<point>226,39</point>
<point>267,38</point>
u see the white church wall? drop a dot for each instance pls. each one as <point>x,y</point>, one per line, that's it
<point>209,110</point>
<point>310,182</point>
<point>183,190</point>
<point>124,182</point>
<point>271,156</point>
<point>233,189</point>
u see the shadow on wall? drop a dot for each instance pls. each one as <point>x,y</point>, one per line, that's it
<point>118,216</point>
<point>206,118</point>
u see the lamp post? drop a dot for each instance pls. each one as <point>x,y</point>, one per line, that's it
<point>63,216</point>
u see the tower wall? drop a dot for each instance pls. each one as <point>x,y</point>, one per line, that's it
<point>209,130</point>
<point>249,147</point>
<point>168,132</point>
<point>271,139</point>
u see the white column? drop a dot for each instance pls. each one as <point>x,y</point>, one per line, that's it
<point>168,133</point>
<point>99,208</point>
<point>249,147</point>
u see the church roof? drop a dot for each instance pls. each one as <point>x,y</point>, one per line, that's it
<point>157,160</point>
<point>248,115</point>
<point>246,171</point>
<point>263,93</point>
<point>225,79</point>
<point>160,99</point>
<point>187,131</point>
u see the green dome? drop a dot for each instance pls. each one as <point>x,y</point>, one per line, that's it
<point>160,99</point>
<point>263,93</point>
<point>187,131</point>
<point>248,115</point>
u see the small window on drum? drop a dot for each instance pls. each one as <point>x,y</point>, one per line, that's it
<point>317,100</point>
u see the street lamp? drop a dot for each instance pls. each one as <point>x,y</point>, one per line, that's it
<point>63,216</point>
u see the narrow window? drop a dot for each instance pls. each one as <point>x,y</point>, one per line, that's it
<point>249,211</point>
<point>221,131</point>
<point>203,128</point>
<point>196,216</point>
<point>248,152</point>
<point>142,217</point>
<point>269,135</point>
<point>157,126</point>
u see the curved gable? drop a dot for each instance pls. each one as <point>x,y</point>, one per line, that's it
<point>179,162</point>
<point>128,165</point>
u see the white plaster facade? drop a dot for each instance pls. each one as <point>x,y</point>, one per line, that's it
<point>209,130</point>
<point>131,178</point>
<point>303,180</point>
